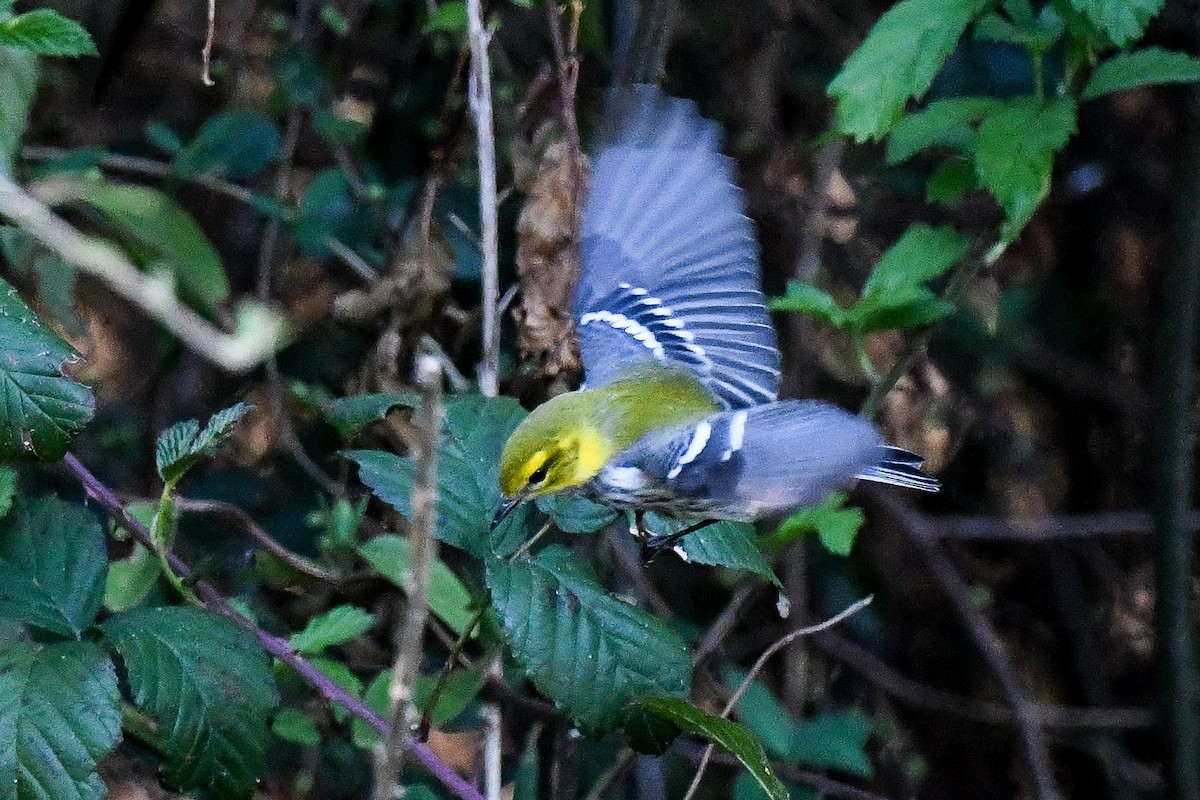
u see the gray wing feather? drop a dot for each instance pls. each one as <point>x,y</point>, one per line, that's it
<point>765,461</point>
<point>670,263</point>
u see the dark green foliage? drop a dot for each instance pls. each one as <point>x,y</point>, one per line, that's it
<point>589,651</point>
<point>206,684</point>
<point>43,408</point>
<point>184,443</point>
<point>53,561</point>
<point>59,716</point>
<point>723,733</point>
<point>45,32</point>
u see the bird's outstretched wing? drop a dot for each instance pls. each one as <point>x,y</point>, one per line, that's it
<point>759,462</point>
<point>670,263</point>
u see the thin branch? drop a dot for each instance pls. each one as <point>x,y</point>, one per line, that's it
<point>423,536</point>
<point>1050,529</point>
<point>480,99</point>
<point>1035,750</point>
<point>148,167</point>
<point>256,532</point>
<point>781,643</point>
<point>913,693</point>
<point>479,95</point>
<point>96,490</point>
<point>259,331</point>
<point>209,37</point>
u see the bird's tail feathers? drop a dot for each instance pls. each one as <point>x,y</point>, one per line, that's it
<point>900,467</point>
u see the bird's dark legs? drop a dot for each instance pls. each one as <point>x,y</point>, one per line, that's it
<point>652,544</point>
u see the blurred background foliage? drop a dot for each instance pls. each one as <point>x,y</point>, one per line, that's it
<point>330,173</point>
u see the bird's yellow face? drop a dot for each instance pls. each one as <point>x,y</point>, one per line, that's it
<point>556,447</point>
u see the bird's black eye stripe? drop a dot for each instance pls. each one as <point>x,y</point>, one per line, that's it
<point>539,474</point>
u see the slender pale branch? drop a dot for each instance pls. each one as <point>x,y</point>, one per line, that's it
<point>260,331</point>
<point>423,536</point>
<point>480,98</point>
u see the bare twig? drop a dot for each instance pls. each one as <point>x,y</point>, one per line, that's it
<point>480,99</point>
<point>96,490</point>
<point>567,61</point>
<point>479,94</point>
<point>209,37</point>
<point>258,534</point>
<point>259,332</point>
<point>423,535</point>
<point>914,693</point>
<point>1050,529</point>
<point>1035,751</point>
<point>148,167</point>
<point>783,642</point>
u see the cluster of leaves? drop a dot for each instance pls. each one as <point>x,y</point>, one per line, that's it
<point>197,687</point>
<point>1003,144</point>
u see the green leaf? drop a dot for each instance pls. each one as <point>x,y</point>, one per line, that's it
<point>349,414</point>
<point>336,626</point>
<point>159,224</point>
<point>921,254</point>
<point>47,33</point>
<point>722,544</point>
<point>8,489</point>
<point>60,714</point>
<point>326,210</point>
<point>898,61</point>
<point>951,181</point>
<point>1037,34</point>
<point>575,514</point>
<point>722,732</point>
<point>808,299</point>
<point>834,741</point>
<point>1015,153</point>
<point>1121,20</point>
<point>206,683</point>
<point>233,144</point>
<point>835,524</point>
<point>162,136</point>
<point>376,697</point>
<point>41,408</point>
<point>183,444</point>
<point>20,70</point>
<point>825,741</point>
<point>449,599</point>
<point>893,296</point>
<point>52,557</point>
<point>295,726</point>
<point>462,687</point>
<point>943,123</point>
<point>474,434</point>
<point>341,675</point>
<point>130,579</point>
<point>583,648</point>
<point>450,17</point>
<point>1152,65</point>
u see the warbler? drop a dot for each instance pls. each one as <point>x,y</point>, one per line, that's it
<point>679,411</point>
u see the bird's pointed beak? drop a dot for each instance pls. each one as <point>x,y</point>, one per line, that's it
<point>507,506</point>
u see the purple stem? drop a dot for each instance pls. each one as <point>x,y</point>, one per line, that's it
<point>96,490</point>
